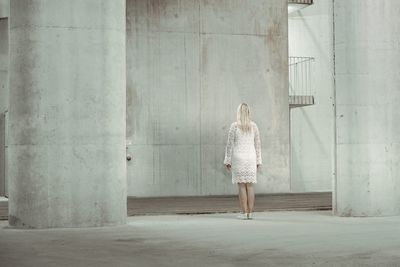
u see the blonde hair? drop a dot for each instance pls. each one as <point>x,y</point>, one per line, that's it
<point>243,118</point>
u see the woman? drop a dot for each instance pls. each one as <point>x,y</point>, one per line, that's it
<point>243,157</point>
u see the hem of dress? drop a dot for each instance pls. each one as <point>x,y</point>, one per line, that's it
<point>246,182</point>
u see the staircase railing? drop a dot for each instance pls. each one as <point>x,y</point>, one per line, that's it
<point>300,79</point>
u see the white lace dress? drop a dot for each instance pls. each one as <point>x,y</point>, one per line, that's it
<point>243,153</point>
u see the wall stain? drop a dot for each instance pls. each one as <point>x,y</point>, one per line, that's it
<point>17,222</point>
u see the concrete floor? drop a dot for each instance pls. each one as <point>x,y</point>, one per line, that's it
<point>296,238</point>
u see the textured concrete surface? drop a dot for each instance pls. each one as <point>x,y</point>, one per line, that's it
<point>189,65</point>
<point>367,99</point>
<point>311,127</point>
<point>66,153</point>
<point>271,239</point>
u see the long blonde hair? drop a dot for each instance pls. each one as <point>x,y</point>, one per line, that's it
<point>243,118</point>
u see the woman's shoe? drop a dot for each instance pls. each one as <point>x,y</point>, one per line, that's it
<point>250,216</point>
<point>242,216</point>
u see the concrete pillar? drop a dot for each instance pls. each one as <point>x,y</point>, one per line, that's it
<point>3,64</point>
<point>367,65</point>
<point>67,113</point>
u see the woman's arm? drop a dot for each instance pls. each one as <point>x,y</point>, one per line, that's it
<point>257,144</point>
<point>229,145</point>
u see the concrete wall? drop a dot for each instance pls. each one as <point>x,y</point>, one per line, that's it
<point>189,65</point>
<point>367,53</point>
<point>312,132</point>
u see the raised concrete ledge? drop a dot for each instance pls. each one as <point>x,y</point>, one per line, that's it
<point>217,204</point>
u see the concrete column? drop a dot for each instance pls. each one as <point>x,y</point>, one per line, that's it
<point>67,113</point>
<point>367,65</point>
<point>3,65</point>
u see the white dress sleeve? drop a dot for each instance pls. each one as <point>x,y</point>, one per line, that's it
<point>229,145</point>
<point>257,144</point>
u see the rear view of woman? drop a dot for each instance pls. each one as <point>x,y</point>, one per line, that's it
<point>243,157</point>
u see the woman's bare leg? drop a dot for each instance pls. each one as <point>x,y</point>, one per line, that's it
<point>243,197</point>
<point>250,196</point>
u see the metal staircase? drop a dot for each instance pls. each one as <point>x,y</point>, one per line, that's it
<point>295,5</point>
<point>300,86</point>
